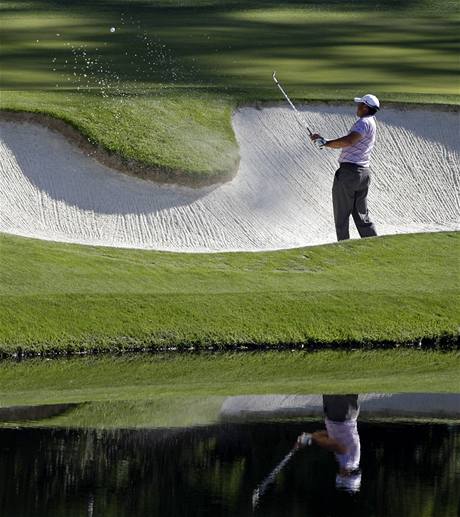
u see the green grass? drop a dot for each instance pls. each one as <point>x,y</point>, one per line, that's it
<point>166,100</point>
<point>65,298</point>
<point>161,88</point>
<point>143,128</point>
<point>237,46</point>
<point>159,377</point>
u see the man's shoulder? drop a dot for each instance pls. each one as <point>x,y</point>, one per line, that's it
<point>364,124</point>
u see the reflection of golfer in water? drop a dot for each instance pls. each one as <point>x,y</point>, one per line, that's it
<point>341,437</point>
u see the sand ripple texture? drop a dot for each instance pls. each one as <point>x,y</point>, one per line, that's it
<point>280,197</point>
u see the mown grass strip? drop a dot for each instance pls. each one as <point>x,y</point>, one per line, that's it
<point>61,298</point>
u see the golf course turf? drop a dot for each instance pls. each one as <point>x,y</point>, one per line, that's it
<point>388,291</point>
<point>160,90</point>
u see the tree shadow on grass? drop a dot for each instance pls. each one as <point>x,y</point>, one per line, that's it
<point>208,45</point>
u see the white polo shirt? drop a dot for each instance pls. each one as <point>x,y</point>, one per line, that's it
<point>360,152</point>
<point>346,433</point>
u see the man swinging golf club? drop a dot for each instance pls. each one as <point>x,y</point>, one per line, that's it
<point>352,179</point>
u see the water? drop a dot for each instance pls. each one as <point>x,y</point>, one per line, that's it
<point>212,470</point>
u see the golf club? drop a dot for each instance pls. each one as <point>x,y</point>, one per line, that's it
<point>298,116</point>
<point>261,489</point>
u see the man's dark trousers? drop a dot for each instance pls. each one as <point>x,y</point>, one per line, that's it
<point>349,197</point>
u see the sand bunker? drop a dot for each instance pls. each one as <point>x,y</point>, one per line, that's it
<point>280,198</point>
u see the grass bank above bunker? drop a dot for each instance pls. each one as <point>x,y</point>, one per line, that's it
<point>173,137</point>
<point>61,298</point>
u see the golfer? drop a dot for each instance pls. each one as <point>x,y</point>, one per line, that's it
<point>352,179</point>
<point>340,437</point>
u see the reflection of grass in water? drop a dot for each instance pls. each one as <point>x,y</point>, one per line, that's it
<point>179,377</point>
<point>407,53</point>
<point>161,411</point>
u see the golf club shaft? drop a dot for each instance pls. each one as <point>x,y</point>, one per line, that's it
<point>290,103</point>
<point>260,490</point>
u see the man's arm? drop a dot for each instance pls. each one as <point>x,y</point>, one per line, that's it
<point>322,439</point>
<point>344,141</point>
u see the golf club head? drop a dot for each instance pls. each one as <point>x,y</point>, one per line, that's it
<point>255,498</point>
<point>274,77</point>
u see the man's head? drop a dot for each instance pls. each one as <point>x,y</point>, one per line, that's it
<point>367,105</point>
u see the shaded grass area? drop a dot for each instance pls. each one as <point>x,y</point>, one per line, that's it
<point>160,89</point>
<point>61,298</point>
<point>236,46</point>
<point>139,378</point>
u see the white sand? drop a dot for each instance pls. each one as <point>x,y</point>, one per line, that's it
<point>280,198</point>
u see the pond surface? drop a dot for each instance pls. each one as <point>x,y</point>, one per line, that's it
<point>406,470</point>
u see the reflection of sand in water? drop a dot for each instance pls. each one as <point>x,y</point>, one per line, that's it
<point>410,405</point>
<point>280,197</point>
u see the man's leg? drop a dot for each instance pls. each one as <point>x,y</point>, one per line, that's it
<point>342,202</point>
<point>360,211</point>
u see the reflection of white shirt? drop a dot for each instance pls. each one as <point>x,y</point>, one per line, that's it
<point>346,433</point>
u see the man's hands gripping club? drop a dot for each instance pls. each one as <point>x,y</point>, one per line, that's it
<point>322,439</point>
<point>304,440</point>
<point>338,143</point>
<point>318,140</point>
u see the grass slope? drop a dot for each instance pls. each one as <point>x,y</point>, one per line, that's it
<point>184,134</point>
<point>66,298</point>
<point>161,87</point>
<point>207,377</point>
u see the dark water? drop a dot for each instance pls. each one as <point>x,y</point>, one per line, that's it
<point>407,470</point>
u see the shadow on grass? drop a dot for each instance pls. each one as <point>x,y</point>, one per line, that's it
<point>214,44</point>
